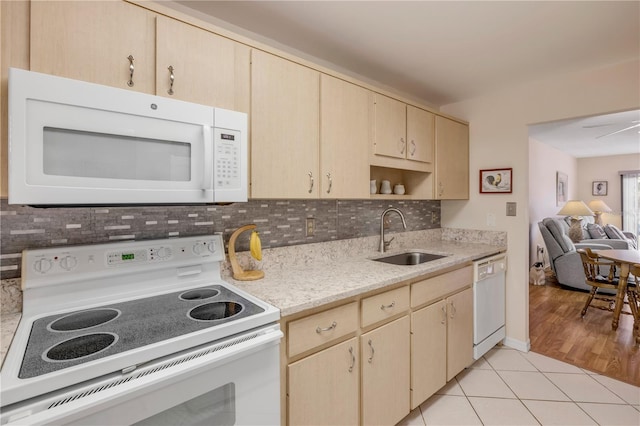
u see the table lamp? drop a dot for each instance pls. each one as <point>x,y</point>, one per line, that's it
<point>599,207</point>
<point>575,209</point>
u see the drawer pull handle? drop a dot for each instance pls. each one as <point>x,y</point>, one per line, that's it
<point>131,70</point>
<point>331,327</point>
<point>383,307</point>
<point>372,351</point>
<point>353,359</point>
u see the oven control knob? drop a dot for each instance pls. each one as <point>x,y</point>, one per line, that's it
<point>211,247</point>
<point>199,248</point>
<point>68,262</point>
<point>164,252</point>
<point>42,265</point>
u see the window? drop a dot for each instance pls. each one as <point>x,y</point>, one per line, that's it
<point>631,201</point>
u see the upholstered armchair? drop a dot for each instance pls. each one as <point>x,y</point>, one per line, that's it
<point>564,259</point>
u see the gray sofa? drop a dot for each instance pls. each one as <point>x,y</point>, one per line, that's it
<point>564,259</point>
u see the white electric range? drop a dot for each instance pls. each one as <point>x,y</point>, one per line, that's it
<point>140,333</point>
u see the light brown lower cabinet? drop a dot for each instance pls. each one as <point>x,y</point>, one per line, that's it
<point>376,357</point>
<point>385,354</point>
<point>324,387</point>
<point>429,351</point>
<point>441,344</point>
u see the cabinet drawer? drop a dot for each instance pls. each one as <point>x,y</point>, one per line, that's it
<point>323,327</point>
<point>437,287</point>
<point>385,305</point>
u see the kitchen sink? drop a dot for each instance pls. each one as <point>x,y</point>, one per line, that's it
<point>409,258</point>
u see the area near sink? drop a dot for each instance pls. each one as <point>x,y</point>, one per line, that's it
<point>305,277</point>
<point>409,258</point>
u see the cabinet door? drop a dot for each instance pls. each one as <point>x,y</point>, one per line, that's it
<point>323,388</point>
<point>420,134</point>
<point>452,160</point>
<point>428,351</point>
<point>459,332</point>
<point>385,355</point>
<point>285,100</point>
<point>390,121</point>
<point>207,69</point>
<point>92,41</point>
<point>344,139</point>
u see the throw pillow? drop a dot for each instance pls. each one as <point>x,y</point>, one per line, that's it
<point>614,233</point>
<point>596,231</point>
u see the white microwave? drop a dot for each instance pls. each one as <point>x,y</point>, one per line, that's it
<point>79,143</point>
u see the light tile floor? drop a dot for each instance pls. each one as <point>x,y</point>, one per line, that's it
<point>508,387</point>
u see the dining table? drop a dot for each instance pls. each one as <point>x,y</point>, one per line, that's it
<point>625,258</point>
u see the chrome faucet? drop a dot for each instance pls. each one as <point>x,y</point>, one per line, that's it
<point>385,244</point>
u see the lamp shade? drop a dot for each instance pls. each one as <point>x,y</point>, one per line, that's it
<point>575,208</point>
<point>599,206</point>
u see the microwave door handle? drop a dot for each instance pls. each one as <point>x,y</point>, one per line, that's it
<point>207,180</point>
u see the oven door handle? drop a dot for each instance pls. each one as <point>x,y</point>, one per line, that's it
<point>207,172</point>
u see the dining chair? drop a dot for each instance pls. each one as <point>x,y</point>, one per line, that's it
<point>634,299</point>
<point>599,274</point>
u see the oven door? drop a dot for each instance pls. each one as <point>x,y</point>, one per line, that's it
<point>235,382</point>
<point>73,142</point>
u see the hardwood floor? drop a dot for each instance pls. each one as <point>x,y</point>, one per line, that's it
<point>557,331</point>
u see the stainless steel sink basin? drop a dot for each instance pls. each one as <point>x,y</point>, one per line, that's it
<point>409,258</point>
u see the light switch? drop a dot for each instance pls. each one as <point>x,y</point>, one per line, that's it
<point>511,209</point>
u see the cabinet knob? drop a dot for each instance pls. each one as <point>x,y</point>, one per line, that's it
<point>172,77</point>
<point>401,145</point>
<point>131,69</point>
<point>331,327</point>
<point>310,182</point>
<point>353,359</point>
<point>383,307</point>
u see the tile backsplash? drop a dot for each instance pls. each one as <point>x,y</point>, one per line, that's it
<point>280,223</point>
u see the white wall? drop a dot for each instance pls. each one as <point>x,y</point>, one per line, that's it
<point>544,162</point>
<point>499,138</point>
<point>606,168</point>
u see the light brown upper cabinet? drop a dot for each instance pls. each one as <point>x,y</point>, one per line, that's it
<point>198,66</point>
<point>285,103</point>
<point>106,42</point>
<point>452,160</point>
<point>403,135</point>
<point>344,137</point>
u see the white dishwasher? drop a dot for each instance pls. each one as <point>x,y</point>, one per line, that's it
<point>488,303</point>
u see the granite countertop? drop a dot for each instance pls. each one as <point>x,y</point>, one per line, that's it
<point>298,278</point>
<point>309,277</point>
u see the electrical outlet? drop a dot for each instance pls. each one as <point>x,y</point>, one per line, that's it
<point>511,209</point>
<point>311,227</point>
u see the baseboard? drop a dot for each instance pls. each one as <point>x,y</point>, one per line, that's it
<point>518,344</point>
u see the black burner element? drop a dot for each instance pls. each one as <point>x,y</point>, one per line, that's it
<point>215,311</point>
<point>80,346</point>
<point>84,319</point>
<point>199,294</point>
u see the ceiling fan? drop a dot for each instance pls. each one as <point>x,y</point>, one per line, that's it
<point>634,124</point>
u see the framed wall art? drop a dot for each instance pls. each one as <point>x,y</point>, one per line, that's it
<point>496,181</point>
<point>562,188</point>
<point>599,187</point>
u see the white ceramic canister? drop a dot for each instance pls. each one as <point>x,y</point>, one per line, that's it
<point>385,187</point>
<point>398,189</point>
